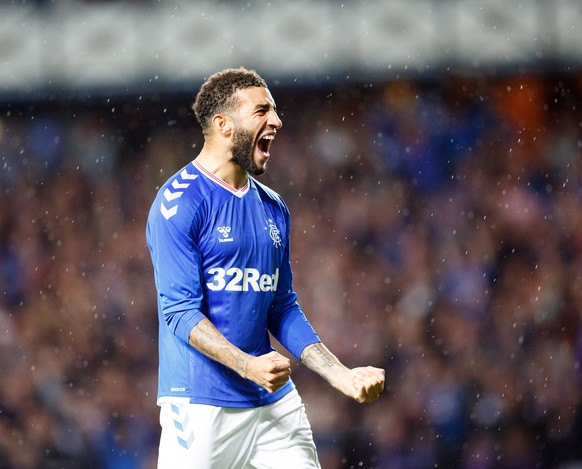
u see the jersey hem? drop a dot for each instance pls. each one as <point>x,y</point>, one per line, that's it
<point>246,404</point>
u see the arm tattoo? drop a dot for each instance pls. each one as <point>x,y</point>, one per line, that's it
<point>319,359</point>
<point>209,341</point>
<point>325,359</point>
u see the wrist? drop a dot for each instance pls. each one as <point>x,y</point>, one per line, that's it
<point>243,365</point>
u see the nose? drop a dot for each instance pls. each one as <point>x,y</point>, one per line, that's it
<point>274,120</point>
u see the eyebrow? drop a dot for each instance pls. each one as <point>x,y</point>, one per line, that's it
<point>265,107</point>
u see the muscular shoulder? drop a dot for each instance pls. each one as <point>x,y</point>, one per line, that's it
<point>269,193</point>
<point>180,198</point>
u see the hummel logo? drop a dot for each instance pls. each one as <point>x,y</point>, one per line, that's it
<point>170,195</point>
<point>225,232</point>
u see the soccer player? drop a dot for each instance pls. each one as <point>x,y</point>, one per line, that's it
<point>219,242</point>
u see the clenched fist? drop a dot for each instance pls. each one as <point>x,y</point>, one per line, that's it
<point>368,383</point>
<point>271,371</point>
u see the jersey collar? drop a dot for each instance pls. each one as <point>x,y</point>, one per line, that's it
<point>238,192</point>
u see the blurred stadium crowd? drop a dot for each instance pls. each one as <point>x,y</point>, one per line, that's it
<point>437,233</point>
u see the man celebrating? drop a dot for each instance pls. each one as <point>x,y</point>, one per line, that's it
<point>219,242</point>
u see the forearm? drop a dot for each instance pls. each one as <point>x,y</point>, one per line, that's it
<point>319,359</point>
<point>271,370</point>
<point>208,340</point>
<point>364,384</point>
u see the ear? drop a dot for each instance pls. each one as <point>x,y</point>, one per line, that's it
<point>223,124</point>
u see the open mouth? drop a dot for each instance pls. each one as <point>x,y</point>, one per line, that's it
<point>265,144</point>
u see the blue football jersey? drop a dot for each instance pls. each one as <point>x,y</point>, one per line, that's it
<point>221,254</point>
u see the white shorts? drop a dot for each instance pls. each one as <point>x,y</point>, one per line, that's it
<point>276,436</point>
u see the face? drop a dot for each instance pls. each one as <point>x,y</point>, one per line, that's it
<point>255,124</point>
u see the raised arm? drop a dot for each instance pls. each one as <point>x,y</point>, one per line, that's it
<point>364,384</point>
<point>271,371</point>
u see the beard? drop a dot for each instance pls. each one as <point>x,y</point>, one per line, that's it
<point>243,146</point>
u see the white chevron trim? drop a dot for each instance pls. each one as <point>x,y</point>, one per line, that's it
<point>185,175</point>
<point>169,195</point>
<point>168,212</point>
<point>178,185</point>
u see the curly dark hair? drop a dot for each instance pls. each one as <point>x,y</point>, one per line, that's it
<point>217,93</point>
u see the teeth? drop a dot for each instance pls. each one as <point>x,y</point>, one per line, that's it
<point>268,137</point>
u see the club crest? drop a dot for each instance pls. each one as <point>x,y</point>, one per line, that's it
<point>275,235</point>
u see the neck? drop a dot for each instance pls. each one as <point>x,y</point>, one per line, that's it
<point>218,162</point>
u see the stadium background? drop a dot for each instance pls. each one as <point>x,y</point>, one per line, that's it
<point>431,158</point>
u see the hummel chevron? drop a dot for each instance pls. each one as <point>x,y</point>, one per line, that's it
<point>178,185</point>
<point>169,195</point>
<point>169,212</point>
<point>185,175</point>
